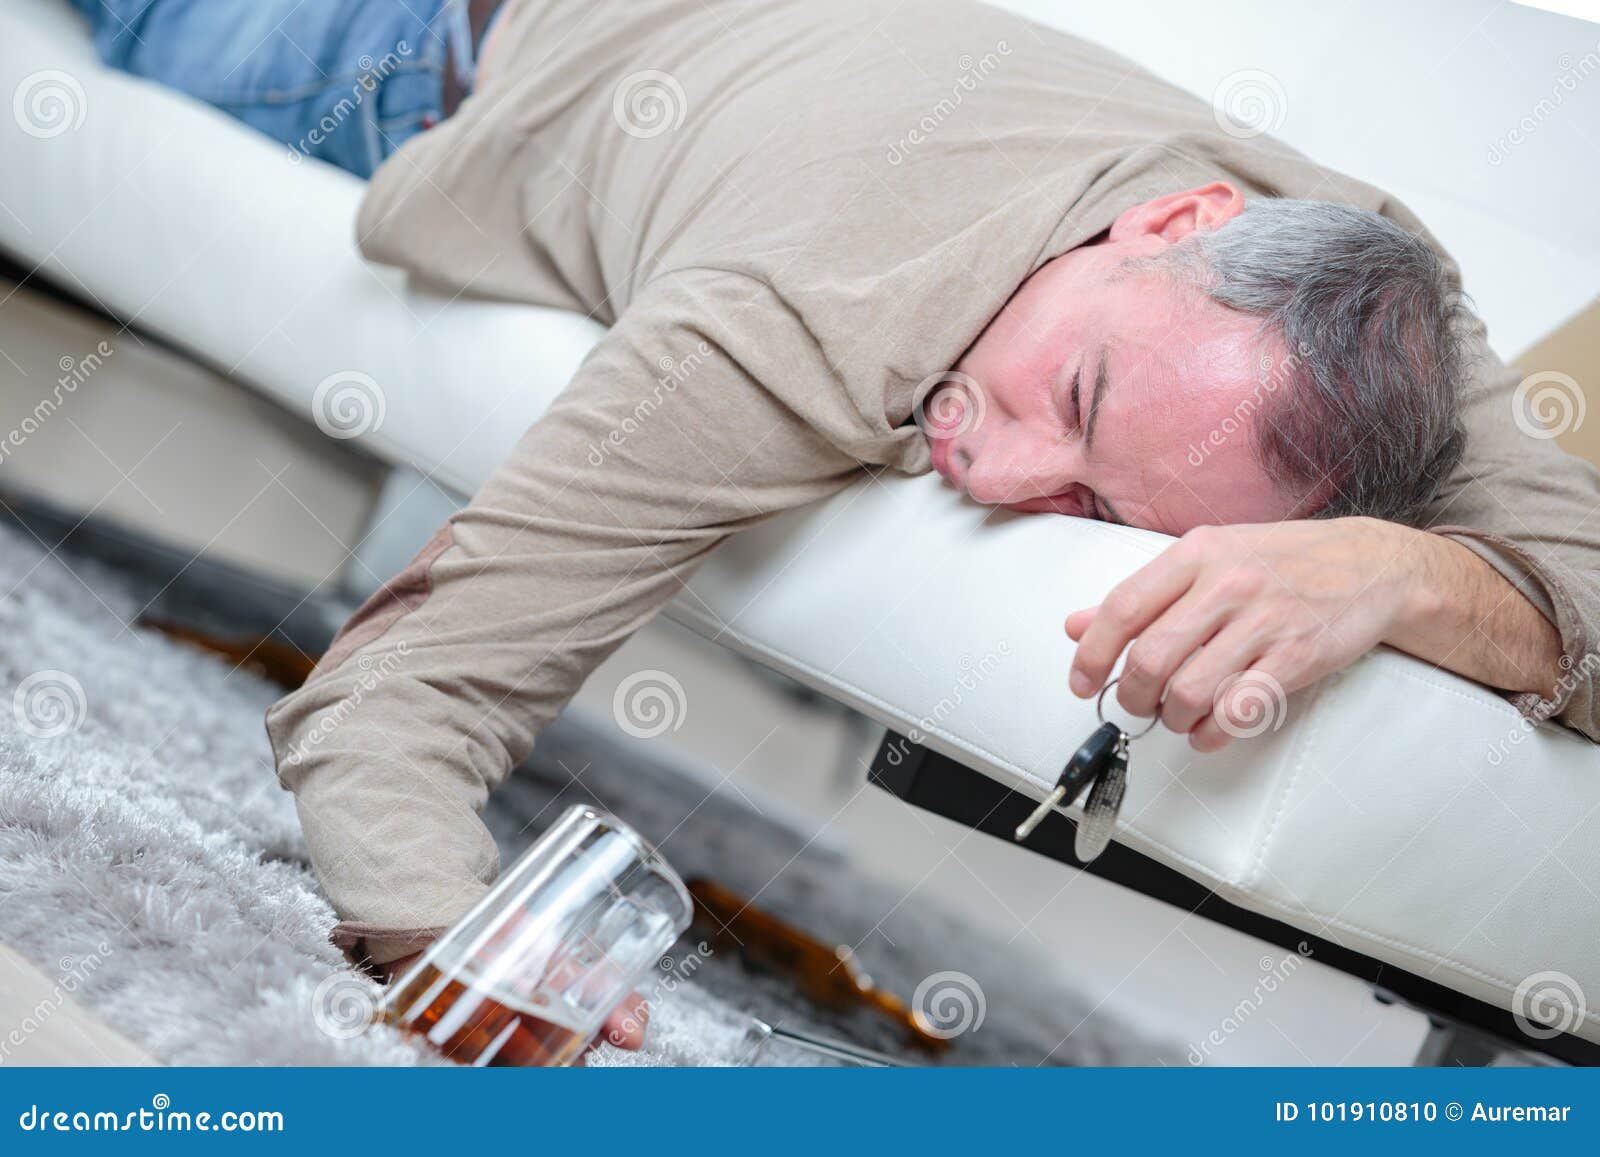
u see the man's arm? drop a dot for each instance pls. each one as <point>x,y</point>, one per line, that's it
<point>1531,512</point>
<point>1463,615</point>
<point>663,445</point>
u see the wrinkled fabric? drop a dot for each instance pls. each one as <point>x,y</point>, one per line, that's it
<point>792,213</point>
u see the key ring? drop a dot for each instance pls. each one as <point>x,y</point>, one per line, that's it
<point>1099,710</point>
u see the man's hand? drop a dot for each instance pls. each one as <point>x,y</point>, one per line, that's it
<point>1230,611</point>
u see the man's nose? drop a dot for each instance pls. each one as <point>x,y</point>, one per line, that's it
<point>1015,469</point>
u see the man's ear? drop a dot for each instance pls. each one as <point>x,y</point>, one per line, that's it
<point>1174,216</point>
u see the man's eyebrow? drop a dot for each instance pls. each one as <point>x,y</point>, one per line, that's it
<point>1095,398</point>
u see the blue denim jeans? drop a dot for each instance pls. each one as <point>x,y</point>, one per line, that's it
<point>347,81</point>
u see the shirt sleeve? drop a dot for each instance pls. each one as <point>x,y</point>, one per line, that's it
<point>663,445</point>
<point>1532,511</point>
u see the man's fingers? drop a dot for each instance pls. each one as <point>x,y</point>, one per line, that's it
<point>1130,607</point>
<point>1254,701</point>
<point>1078,622</point>
<point>627,1022</point>
<point>1209,736</point>
<point>1162,648</point>
<point>1192,691</point>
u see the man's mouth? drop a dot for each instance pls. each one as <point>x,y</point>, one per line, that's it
<point>1069,503</point>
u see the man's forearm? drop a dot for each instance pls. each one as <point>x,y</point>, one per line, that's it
<point>1464,616</point>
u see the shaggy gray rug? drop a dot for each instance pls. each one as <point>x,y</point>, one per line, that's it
<point>142,830</point>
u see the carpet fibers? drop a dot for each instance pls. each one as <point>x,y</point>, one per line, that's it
<point>147,851</point>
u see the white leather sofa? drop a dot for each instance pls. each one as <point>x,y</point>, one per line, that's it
<point>1398,811</point>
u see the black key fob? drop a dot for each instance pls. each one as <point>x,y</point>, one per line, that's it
<point>1089,761</point>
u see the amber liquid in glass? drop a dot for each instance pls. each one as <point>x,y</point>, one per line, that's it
<point>471,1027</point>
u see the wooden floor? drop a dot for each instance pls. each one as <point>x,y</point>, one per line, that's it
<point>42,1023</point>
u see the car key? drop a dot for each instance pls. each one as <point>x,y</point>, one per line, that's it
<point>1082,769</point>
<point>1102,762</point>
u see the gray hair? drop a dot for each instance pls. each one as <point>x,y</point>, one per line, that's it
<point>1373,321</point>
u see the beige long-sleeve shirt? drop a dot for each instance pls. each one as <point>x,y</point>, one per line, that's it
<point>791,213</point>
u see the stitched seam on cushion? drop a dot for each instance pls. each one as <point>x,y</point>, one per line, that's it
<point>1396,942</point>
<point>1257,862</point>
<point>692,618</point>
<point>1227,890</point>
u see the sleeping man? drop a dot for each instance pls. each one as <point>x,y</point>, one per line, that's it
<point>837,236</point>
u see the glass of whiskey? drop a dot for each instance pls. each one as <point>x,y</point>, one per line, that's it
<point>529,975</point>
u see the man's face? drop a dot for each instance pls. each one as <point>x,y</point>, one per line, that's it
<point>1096,385</point>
